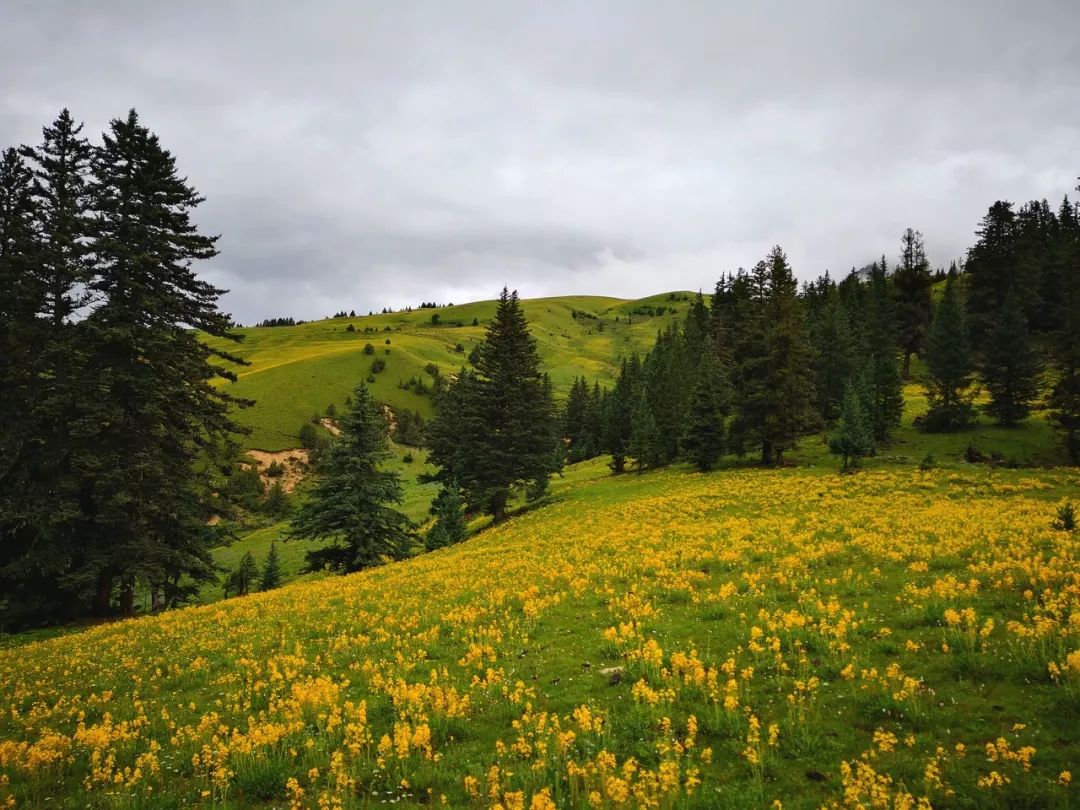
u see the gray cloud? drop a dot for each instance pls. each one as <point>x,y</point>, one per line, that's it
<point>372,154</point>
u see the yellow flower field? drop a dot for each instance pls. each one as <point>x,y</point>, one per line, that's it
<point>750,638</point>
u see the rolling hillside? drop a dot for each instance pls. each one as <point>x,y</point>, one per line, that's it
<point>296,371</point>
<point>669,640</point>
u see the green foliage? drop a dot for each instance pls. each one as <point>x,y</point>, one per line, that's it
<point>914,306</point>
<point>351,504</point>
<point>448,509</point>
<point>244,486</point>
<point>496,427</point>
<point>854,437</point>
<point>271,572</point>
<point>703,440</point>
<point>949,363</point>
<point>1066,517</point>
<point>277,501</point>
<point>239,582</point>
<point>645,440</point>
<point>369,349</point>
<point>1010,368</point>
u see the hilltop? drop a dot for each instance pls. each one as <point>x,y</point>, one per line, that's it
<point>297,371</point>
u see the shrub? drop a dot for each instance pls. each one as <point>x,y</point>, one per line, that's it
<point>275,470</point>
<point>350,328</point>
<point>377,365</point>
<point>1066,517</point>
<point>407,458</point>
<point>928,462</point>
<point>369,349</point>
<point>459,349</point>
<point>387,341</point>
<point>972,454</point>
<point>435,319</point>
<point>331,410</point>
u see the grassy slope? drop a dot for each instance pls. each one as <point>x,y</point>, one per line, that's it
<point>297,371</point>
<point>473,643</point>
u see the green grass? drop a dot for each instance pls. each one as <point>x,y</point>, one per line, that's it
<point>299,370</point>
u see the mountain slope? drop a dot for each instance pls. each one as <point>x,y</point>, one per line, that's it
<point>297,371</point>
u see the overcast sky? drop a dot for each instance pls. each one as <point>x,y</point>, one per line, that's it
<point>359,155</point>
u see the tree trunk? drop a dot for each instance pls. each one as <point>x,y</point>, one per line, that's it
<point>766,453</point>
<point>906,372</point>
<point>498,507</point>
<point>103,595</point>
<point>127,599</point>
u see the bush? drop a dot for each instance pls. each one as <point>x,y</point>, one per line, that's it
<point>972,454</point>
<point>377,365</point>
<point>308,436</point>
<point>459,349</point>
<point>369,349</point>
<point>370,377</point>
<point>435,319</point>
<point>407,458</point>
<point>275,470</point>
<point>277,501</point>
<point>928,462</point>
<point>331,410</point>
<point>350,328</point>
<point>1066,517</point>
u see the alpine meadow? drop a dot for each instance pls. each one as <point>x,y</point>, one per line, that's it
<point>733,531</point>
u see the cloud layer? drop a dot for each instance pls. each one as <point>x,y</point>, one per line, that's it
<point>360,155</point>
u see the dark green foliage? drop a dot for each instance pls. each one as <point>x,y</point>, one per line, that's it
<point>646,443</point>
<point>1066,518</point>
<point>703,439</point>
<point>928,462</point>
<point>911,286</point>
<point>448,509</point>
<point>1065,397</point>
<point>277,501</point>
<point>239,582</point>
<point>834,347</point>
<point>1010,368</point>
<point>853,438</point>
<point>496,428</point>
<point>881,384</point>
<point>618,411</point>
<point>351,504</point>
<point>409,428</point>
<point>377,365</point>
<point>948,361</point>
<point>271,572</point>
<point>582,421</point>
<point>244,487</point>
<point>369,349</point>
<point>331,410</point>
<point>434,318</point>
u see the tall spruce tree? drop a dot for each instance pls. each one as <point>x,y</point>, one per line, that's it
<point>646,443</point>
<point>882,386</point>
<point>835,352</point>
<point>914,307</point>
<point>270,577</point>
<point>1065,397</point>
<point>991,269</point>
<point>352,505</point>
<point>618,413</point>
<point>502,434</point>
<point>703,437</point>
<point>950,366</point>
<point>1010,367</point>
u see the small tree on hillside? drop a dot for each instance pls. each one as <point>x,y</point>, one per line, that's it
<point>448,508</point>
<point>1010,369</point>
<point>853,438</point>
<point>240,580</point>
<point>351,504</point>
<point>271,573</point>
<point>948,360</point>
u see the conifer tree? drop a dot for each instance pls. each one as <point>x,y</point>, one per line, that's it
<point>148,403</point>
<point>991,269</point>
<point>703,439</point>
<point>881,386</point>
<point>271,572</point>
<point>618,413</point>
<point>949,363</point>
<point>498,432</point>
<point>352,505</point>
<point>914,307</point>
<point>448,509</point>
<point>835,350</point>
<point>1010,368</point>
<point>853,438</point>
<point>240,580</point>
<point>1065,397</point>
<point>645,441</point>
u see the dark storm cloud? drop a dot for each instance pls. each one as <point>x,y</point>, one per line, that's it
<point>364,154</point>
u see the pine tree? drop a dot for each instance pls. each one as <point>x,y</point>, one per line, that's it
<point>271,572</point>
<point>500,432</point>
<point>991,269</point>
<point>703,439</point>
<point>1010,368</point>
<point>882,386</point>
<point>853,438</point>
<point>1065,397</point>
<point>835,350</point>
<point>575,416</point>
<point>246,573</point>
<point>618,413</point>
<point>448,509</point>
<point>914,307</point>
<point>646,445</point>
<point>949,363</point>
<point>147,404</point>
<point>352,504</point>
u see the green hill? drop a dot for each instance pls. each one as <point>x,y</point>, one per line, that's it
<point>296,371</point>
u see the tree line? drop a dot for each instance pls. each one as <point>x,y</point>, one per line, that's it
<point>114,442</point>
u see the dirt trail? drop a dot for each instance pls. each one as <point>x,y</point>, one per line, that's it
<point>293,461</point>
